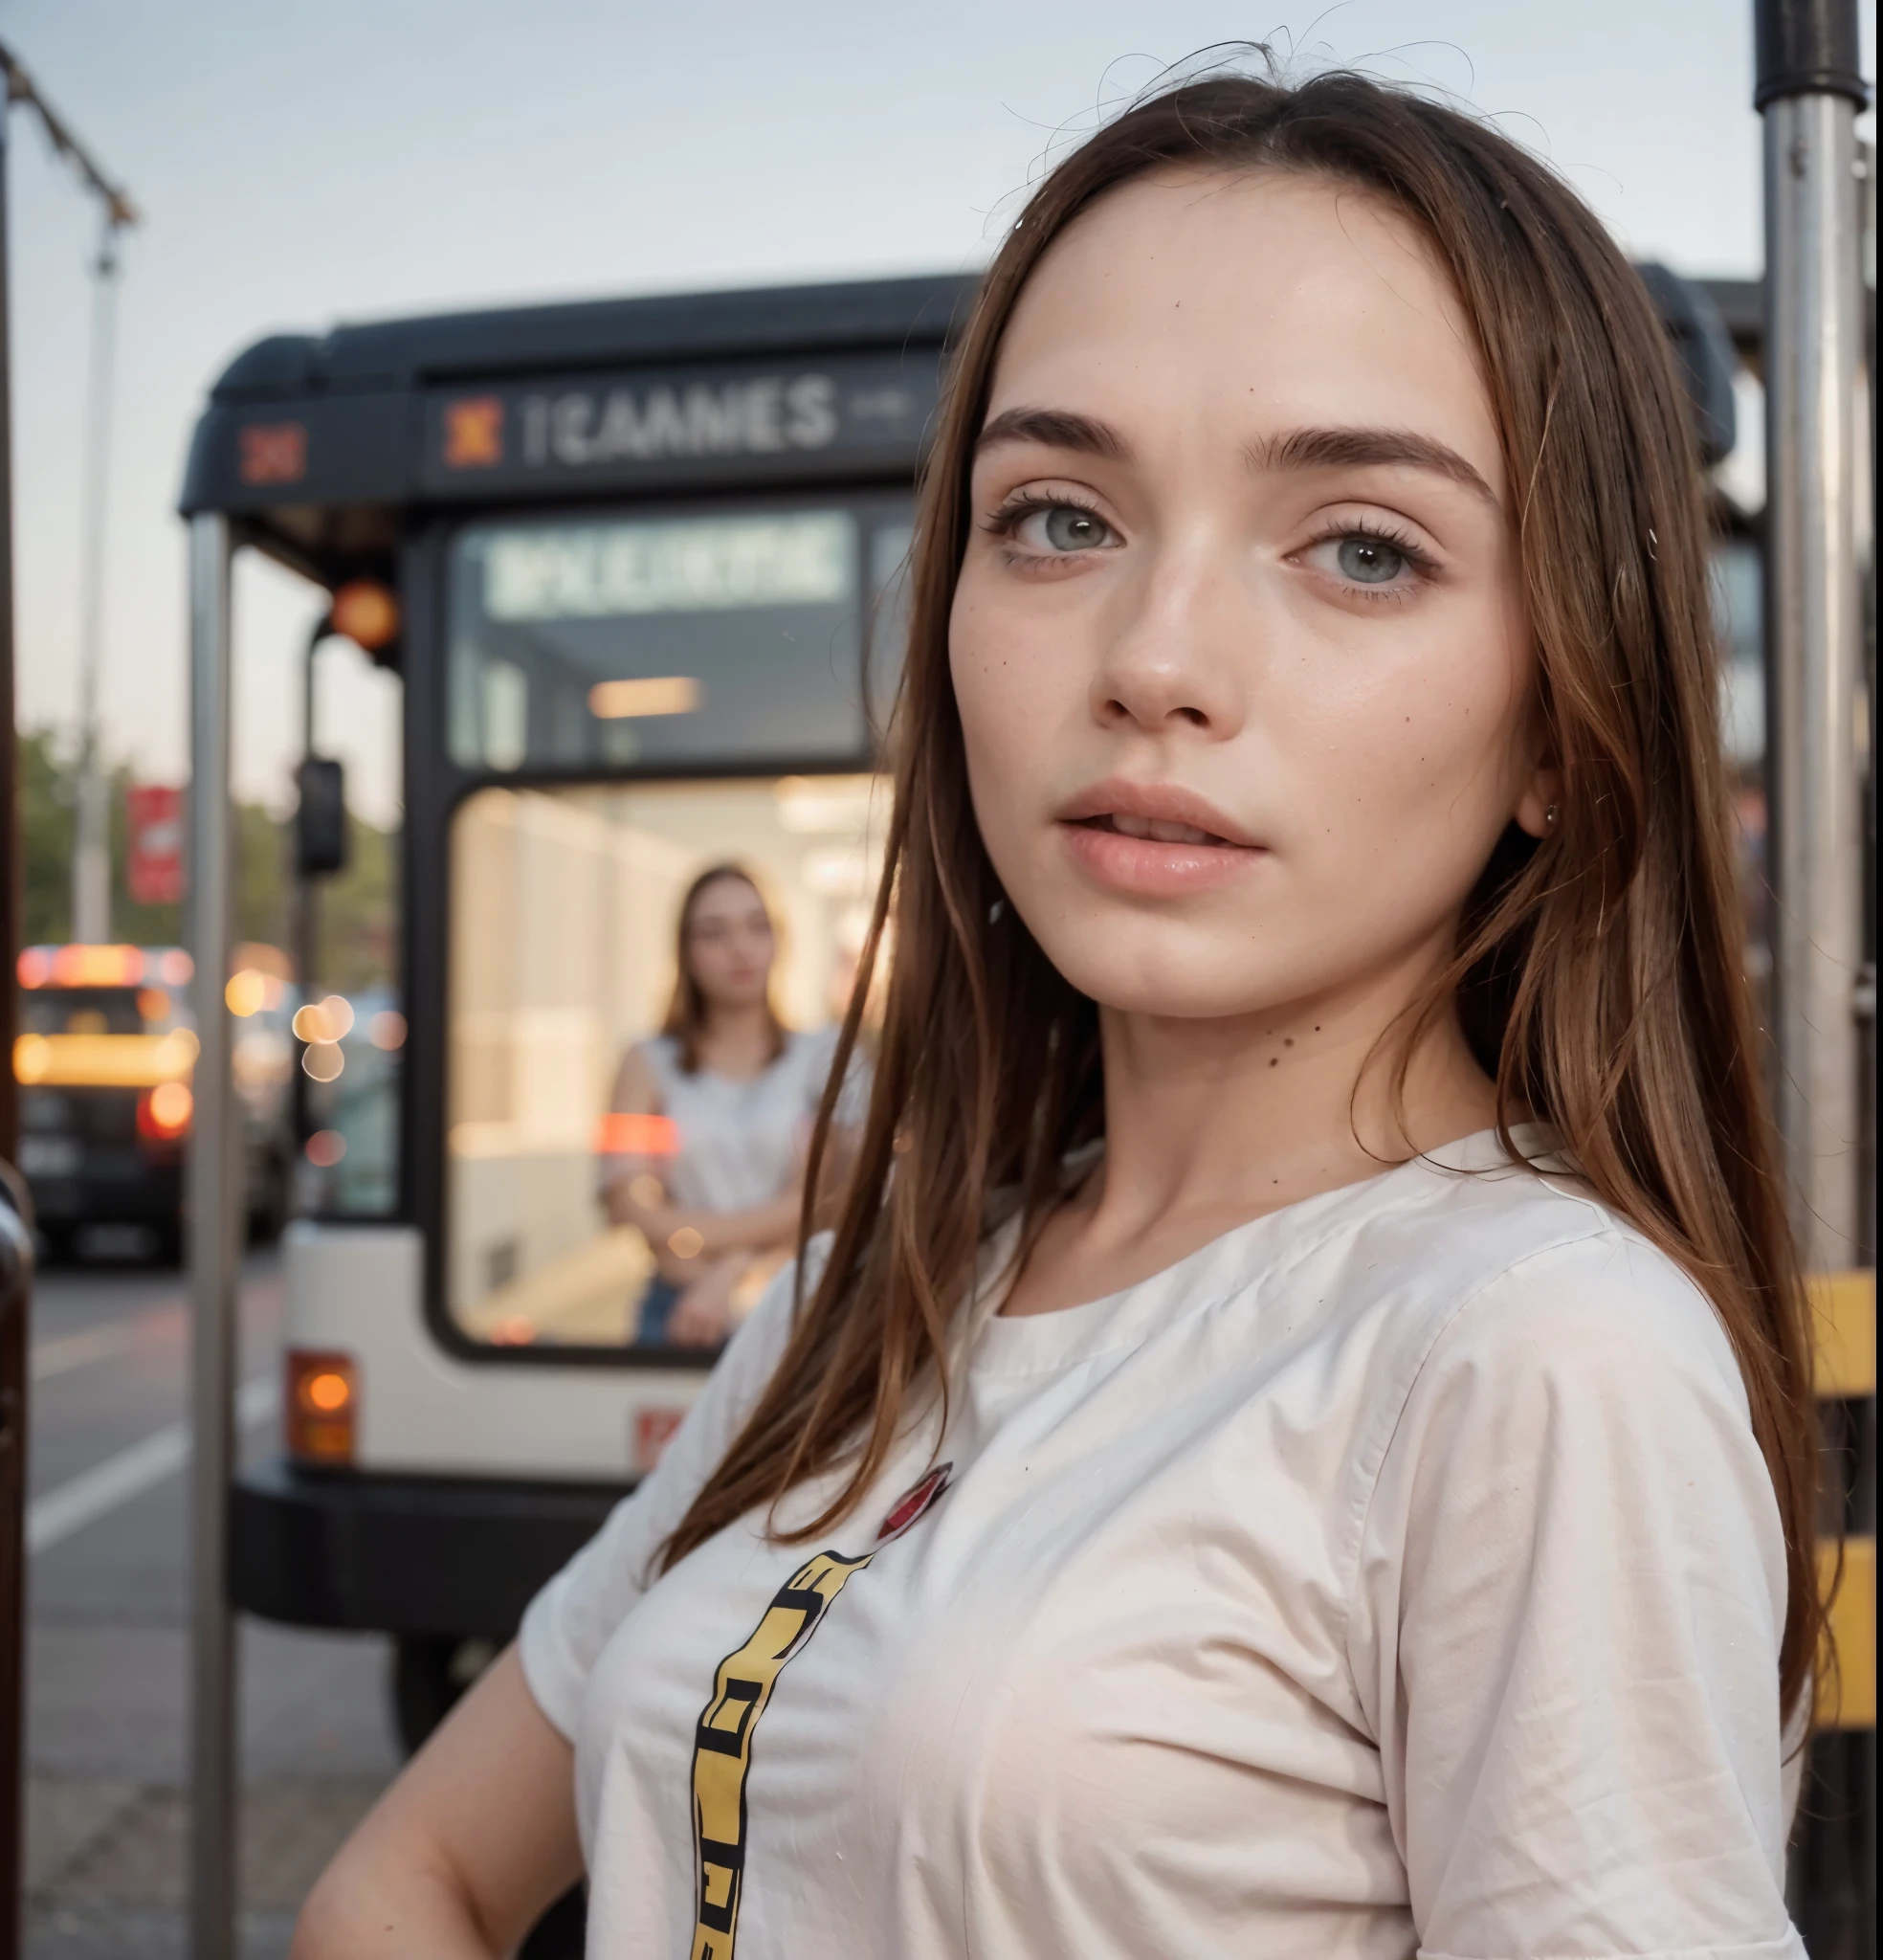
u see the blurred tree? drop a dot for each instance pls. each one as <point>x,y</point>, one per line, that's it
<point>358,924</point>
<point>359,918</point>
<point>47,822</point>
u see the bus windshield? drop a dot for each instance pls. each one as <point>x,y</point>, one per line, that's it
<point>608,639</point>
<point>94,1010</point>
<point>563,958</point>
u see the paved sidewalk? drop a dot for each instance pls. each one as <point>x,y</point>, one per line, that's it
<point>108,1659</point>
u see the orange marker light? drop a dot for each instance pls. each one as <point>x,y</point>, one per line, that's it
<point>367,613</point>
<point>322,1402</point>
<point>329,1392</point>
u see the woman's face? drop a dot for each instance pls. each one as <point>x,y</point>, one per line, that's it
<point>729,943</point>
<point>1238,639</point>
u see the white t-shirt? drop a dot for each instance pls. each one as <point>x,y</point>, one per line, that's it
<point>1396,1573</point>
<point>740,1140</point>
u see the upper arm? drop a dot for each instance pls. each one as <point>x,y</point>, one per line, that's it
<point>636,1088</point>
<point>636,1092</point>
<point>1575,1584</point>
<point>474,1839</point>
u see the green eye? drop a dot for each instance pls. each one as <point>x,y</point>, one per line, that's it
<point>1369,561</point>
<point>1069,529</point>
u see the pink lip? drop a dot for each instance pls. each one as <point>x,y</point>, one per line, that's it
<point>1149,866</point>
<point>1157,803</point>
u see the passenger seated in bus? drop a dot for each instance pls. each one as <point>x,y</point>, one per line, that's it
<point>715,1188</point>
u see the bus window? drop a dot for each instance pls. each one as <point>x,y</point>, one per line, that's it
<point>1738,601</point>
<point>888,638</point>
<point>1738,605</point>
<point>607,640</point>
<point>95,1011</point>
<point>564,906</point>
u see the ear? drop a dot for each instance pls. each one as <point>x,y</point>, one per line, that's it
<point>1536,811</point>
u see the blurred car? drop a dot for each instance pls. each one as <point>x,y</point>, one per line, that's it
<point>105,1058</point>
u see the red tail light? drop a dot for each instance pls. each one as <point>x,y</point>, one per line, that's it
<point>163,1113</point>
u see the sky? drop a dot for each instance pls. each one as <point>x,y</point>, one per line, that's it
<point>299,166</point>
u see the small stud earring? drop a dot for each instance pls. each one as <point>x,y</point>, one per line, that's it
<point>995,910</point>
<point>1549,817</point>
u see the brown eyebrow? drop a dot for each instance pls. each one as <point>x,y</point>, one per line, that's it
<point>1057,429</point>
<point>1332,449</point>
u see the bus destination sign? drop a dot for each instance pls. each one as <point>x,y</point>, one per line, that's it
<point>697,424</point>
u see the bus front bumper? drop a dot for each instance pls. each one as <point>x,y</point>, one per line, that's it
<point>402,1554</point>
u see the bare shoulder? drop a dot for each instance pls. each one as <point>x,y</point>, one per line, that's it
<point>638,1083</point>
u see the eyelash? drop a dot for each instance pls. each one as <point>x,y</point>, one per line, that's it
<point>1005,521</point>
<point>1008,519</point>
<point>1424,566</point>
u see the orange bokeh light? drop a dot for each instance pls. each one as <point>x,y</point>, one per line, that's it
<point>367,613</point>
<point>328,1393</point>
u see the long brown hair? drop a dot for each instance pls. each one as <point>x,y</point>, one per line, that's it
<point>1598,974</point>
<point>686,1010</point>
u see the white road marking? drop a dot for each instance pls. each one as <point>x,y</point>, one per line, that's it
<point>76,1350</point>
<point>67,1351</point>
<point>82,1500</point>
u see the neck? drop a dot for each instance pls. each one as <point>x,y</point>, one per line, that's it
<point>738,1023</point>
<point>1220,1119</point>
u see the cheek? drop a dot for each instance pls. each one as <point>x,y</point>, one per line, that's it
<point>1010,692</point>
<point>1423,723</point>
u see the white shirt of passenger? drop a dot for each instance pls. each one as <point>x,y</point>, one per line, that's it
<point>739,1137</point>
<point>1397,1573</point>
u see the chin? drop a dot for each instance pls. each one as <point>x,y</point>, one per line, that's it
<point>1166,970</point>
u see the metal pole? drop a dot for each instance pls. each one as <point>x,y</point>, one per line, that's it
<point>307,896</point>
<point>214,1213</point>
<point>1810,91</point>
<point>14,1373</point>
<point>306,888</point>
<point>91,854</point>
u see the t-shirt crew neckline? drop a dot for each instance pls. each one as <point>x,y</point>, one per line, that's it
<point>1032,1344</point>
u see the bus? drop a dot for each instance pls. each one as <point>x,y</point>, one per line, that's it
<point>643,558</point>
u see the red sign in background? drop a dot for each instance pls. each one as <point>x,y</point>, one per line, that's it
<point>153,860</point>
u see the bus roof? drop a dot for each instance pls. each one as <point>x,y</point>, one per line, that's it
<point>323,448</point>
<point>320,444</point>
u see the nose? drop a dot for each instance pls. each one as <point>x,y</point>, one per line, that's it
<point>1171,662</point>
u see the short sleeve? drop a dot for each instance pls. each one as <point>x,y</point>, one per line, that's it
<point>1566,1627</point>
<point>574,1617</point>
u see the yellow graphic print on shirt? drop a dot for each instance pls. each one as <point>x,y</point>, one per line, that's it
<point>742,1690</point>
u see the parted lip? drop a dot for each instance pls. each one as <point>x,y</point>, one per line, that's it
<point>1156,803</point>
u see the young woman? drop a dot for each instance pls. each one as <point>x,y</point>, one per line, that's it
<point>741,1091</point>
<point>1298,1442</point>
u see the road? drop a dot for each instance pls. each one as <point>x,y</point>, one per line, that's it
<point>108,1641</point>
